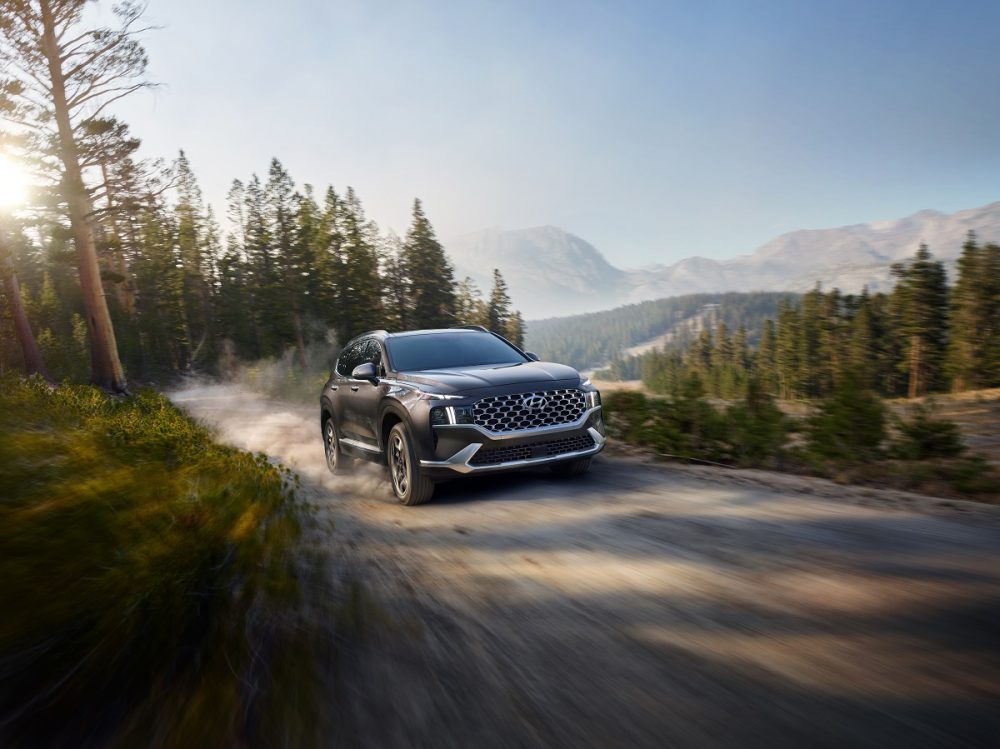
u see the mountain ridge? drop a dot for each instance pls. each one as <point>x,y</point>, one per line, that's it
<point>552,272</point>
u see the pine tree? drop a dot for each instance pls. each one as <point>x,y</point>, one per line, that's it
<point>921,315</point>
<point>810,330</point>
<point>975,307</point>
<point>263,281</point>
<point>195,263</point>
<point>722,379</point>
<point>232,305</point>
<point>861,359</point>
<point>991,300</point>
<point>831,342</point>
<point>63,76</point>
<point>514,332</point>
<point>31,355</point>
<point>700,354</point>
<point>290,253</point>
<point>397,311</point>
<point>329,257</point>
<point>470,309</point>
<point>764,362</point>
<point>787,351</point>
<point>359,303</point>
<point>498,310</point>
<point>430,276</point>
<point>160,307</point>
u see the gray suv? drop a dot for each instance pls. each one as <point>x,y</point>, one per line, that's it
<point>437,404</point>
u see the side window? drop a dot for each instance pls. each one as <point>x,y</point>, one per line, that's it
<point>372,352</point>
<point>379,360</point>
<point>350,357</point>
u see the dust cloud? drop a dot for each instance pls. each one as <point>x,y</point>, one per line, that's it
<point>286,432</point>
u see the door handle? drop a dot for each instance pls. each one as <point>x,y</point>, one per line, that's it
<point>354,388</point>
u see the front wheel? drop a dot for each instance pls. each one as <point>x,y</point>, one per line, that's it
<point>576,467</point>
<point>409,485</point>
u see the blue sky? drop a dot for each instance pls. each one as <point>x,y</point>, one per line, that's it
<point>655,130</point>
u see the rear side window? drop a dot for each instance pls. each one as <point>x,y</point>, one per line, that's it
<point>359,352</point>
<point>372,352</point>
<point>350,357</point>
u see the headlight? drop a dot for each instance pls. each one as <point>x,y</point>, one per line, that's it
<point>593,398</point>
<point>441,415</point>
<point>585,383</point>
<point>425,396</point>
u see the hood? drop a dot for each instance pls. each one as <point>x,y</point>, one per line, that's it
<point>475,378</point>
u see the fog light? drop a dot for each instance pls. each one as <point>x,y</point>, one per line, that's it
<point>439,416</point>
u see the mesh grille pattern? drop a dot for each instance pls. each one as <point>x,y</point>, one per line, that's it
<point>510,413</point>
<point>496,455</point>
<point>492,456</point>
<point>568,444</point>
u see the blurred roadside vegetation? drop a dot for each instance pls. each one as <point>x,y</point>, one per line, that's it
<point>151,593</point>
<point>849,436</point>
<point>292,377</point>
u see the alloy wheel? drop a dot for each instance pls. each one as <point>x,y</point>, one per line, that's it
<point>398,465</point>
<point>330,443</point>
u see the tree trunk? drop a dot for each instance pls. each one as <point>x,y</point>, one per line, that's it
<point>914,389</point>
<point>33,363</point>
<point>105,366</point>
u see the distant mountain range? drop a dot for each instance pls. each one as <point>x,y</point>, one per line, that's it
<point>554,273</point>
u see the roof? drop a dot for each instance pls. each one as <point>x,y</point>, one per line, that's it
<point>426,331</point>
<point>383,334</point>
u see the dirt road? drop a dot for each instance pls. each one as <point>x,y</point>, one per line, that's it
<point>647,605</point>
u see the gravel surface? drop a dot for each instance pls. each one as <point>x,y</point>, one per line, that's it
<point>644,604</point>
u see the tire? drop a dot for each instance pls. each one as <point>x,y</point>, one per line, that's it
<point>568,468</point>
<point>336,460</point>
<point>409,485</point>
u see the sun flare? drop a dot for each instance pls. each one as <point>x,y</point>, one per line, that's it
<point>14,183</point>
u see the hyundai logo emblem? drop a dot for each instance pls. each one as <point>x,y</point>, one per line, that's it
<point>535,402</point>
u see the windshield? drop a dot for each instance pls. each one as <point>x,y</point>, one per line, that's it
<point>426,351</point>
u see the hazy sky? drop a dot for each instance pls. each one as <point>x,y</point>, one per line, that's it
<point>655,130</point>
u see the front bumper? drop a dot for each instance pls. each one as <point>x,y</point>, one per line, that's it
<point>474,449</point>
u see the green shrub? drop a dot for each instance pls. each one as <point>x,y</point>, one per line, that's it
<point>849,425</point>
<point>971,474</point>
<point>757,429</point>
<point>143,568</point>
<point>922,436</point>
<point>686,425</point>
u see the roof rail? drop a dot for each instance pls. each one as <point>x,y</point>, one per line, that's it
<point>470,327</point>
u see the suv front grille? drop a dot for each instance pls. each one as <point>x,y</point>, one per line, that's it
<point>492,456</point>
<point>511,413</point>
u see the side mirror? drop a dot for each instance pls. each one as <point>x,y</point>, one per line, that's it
<point>365,371</point>
<point>533,357</point>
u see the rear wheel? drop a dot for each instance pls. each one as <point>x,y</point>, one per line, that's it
<point>576,467</point>
<point>409,484</point>
<point>336,461</point>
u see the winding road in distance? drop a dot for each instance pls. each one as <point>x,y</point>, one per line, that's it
<point>646,605</point>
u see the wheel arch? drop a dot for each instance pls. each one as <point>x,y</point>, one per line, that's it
<point>325,414</point>
<point>390,417</point>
